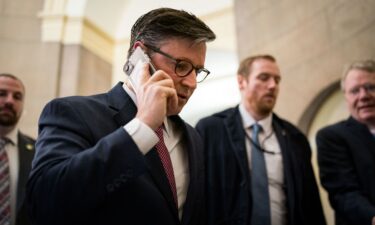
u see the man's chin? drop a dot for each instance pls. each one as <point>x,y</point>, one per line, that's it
<point>367,117</point>
<point>173,112</point>
<point>265,112</point>
<point>8,122</point>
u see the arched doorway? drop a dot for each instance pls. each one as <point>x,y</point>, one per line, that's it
<point>327,108</point>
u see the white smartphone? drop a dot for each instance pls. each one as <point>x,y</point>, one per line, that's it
<point>133,66</point>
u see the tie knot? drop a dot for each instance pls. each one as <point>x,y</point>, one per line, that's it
<point>256,128</point>
<point>3,142</point>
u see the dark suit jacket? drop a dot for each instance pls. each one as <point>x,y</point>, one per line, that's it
<point>88,170</point>
<point>25,154</point>
<point>228,176</point>
<point>346,156</point>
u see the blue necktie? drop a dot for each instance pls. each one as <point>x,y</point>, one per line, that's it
<point>259,183</point>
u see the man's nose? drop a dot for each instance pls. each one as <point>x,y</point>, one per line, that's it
<point>272,83</point>
<point>190,80</point>
<point>363,92</point>
<point>9,99</point>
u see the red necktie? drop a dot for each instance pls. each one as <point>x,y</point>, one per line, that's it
<point>4,185</point>
<point>166,161</point>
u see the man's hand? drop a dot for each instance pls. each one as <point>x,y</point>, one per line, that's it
<point>156,96</point>
<point>373,221</point>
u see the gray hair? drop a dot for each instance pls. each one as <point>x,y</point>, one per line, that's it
<point>365,65</point>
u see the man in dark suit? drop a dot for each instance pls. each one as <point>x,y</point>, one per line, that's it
<point>126,157</point>
<point>346,150</point>
<point>258,177</point>
<point>17,154</point>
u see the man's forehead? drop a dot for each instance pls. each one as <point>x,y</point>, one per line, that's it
<point>359,74</point>
<point>266,66</point>
<point>10,84</point>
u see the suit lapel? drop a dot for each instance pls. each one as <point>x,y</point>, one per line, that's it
<point>155,168</point>
<point>236,134</point>
<point>195,160</point>
<point>25,153</point>
<point>121,104</point>
<point>362,133</point>
<point>196,182</point>
<point>288,164</point>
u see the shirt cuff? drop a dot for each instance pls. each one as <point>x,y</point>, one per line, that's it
<point>143,136</point>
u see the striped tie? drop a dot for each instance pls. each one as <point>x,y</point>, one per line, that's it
<point>4,185</point>
<point>166,161</point>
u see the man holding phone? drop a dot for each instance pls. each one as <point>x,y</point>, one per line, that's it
<point>126,157</point>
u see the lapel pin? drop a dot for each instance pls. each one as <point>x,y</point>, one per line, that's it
<point>29,147</point>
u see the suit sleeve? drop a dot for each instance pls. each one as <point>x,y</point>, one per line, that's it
<point>338,177</point>
<point>74,171</point>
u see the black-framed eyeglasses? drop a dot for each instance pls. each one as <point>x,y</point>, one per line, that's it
<point>183,68</point>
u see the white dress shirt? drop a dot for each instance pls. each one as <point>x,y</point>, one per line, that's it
<point>145,138</point>
<point>274,164</point>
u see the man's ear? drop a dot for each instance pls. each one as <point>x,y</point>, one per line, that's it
<point>241,80</point>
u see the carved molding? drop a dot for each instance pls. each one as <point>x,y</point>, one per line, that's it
<point>59,25</point>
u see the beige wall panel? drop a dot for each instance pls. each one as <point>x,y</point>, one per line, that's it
<point>95,74</point>
<point>70,60</point>
<point>21,7</point>
<point>19,28</point>
<point>83,72</point>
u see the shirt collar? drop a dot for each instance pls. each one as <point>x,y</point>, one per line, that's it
<point>130,92</point>
<point>12,136</point>
<point>167,126</point>
<point>248,120</point>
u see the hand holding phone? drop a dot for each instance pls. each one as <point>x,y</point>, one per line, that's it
<point>133,67</point>
<point>158,97</point>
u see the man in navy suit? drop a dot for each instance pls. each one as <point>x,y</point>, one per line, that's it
<point>96,160</point>
<point>346,150</point>
<point>289,195</point>
<point>19,149</point>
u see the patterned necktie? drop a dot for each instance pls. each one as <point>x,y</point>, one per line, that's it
<point>166,161</point>
<point>259,183</point>
<point>4,185</point>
